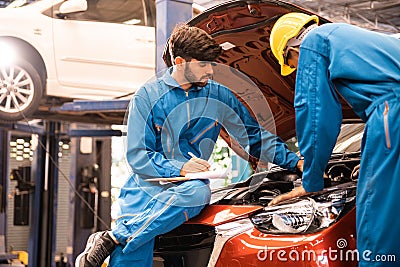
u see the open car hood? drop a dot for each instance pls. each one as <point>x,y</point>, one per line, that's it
<point>246,26</point>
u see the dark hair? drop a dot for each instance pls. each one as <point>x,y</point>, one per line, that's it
<point>191,42</point>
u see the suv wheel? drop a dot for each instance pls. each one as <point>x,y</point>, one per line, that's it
<point>20,91</point>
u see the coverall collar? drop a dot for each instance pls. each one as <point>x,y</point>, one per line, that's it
<point>170,81</point>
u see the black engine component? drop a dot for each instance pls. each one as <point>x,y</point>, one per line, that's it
<point>187,245</point>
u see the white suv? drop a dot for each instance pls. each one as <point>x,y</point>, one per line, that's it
<point>74,49</point>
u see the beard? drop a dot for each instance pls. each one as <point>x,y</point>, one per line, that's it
<point>193,79</point>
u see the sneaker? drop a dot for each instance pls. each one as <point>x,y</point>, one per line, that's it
<point>98,247</point>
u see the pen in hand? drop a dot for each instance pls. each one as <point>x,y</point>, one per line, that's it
<point>192,155</point>
<point>196,164</point>
<point>210,161</point>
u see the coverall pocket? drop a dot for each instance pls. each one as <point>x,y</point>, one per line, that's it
<point>208,128</point>
<point>386,125</point>
<point>164,136</point>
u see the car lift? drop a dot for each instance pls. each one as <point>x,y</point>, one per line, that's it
<point>44,171</point>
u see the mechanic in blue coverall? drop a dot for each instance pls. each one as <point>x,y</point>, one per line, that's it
<point>181,112</point>
<point>364,68</point>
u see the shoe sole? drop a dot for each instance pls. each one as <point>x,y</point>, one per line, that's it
<point>91,240</point>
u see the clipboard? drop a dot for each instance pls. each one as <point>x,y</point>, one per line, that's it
<point>170,179</point>
<point>220,174</point>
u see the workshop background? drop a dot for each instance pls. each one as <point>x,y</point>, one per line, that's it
<point>88,156</point>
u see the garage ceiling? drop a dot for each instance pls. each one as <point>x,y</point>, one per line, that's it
<point>375,15</point>
<point>380,15</point>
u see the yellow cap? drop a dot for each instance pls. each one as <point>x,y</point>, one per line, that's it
<point>285,28</point>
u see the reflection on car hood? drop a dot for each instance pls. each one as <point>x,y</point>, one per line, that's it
<point>245,26</point>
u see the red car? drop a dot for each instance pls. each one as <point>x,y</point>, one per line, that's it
<point>238,228</point>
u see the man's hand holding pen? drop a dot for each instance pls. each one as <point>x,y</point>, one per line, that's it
<point>195,164</point>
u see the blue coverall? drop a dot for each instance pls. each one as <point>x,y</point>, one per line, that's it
<point>165,123</point>
<point>364,68</point>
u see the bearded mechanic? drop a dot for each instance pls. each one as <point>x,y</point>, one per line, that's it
<point>181,112</point>
<point>364,68</point>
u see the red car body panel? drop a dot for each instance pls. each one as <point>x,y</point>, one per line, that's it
<point>215,215</point>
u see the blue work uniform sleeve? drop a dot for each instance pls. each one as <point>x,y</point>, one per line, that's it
<point>142,155</point>
<point>318,116</point>
<point>261,144</point>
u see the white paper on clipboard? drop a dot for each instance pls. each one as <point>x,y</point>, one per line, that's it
<point>217,174</point>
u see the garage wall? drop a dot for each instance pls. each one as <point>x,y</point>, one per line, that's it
<point>63,200</point>
<point>18,236</point>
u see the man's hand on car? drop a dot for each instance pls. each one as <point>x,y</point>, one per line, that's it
<point>355,172</point>
<point>297,192</point>
<point>195,164</point>
<point>300,164</point>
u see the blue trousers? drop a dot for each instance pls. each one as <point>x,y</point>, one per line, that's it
<point>148,212</point>
<point>378,192</point>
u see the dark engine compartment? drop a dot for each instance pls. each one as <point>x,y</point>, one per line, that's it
<point>278,181</point>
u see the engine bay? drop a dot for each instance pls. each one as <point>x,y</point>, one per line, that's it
<point>278,181</point>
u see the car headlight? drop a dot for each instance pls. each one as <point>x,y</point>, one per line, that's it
<point>306,214</point>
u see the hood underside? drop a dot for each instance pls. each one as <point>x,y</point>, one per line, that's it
<point>246,27</point>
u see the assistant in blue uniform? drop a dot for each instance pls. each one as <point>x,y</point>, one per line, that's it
<point>364,68</point>
<point>181,112</point>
